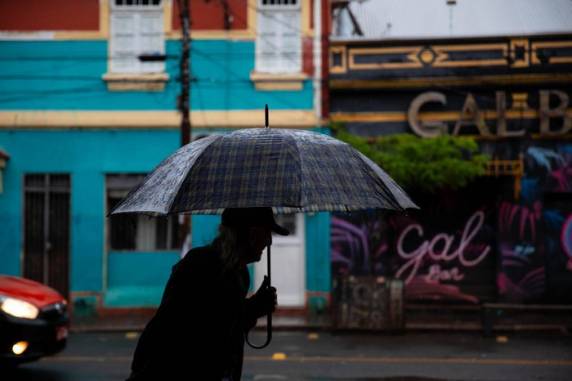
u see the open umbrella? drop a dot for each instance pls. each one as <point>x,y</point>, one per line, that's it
<point>288,170</point>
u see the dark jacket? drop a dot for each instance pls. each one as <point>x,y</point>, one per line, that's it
<point>198,330</point>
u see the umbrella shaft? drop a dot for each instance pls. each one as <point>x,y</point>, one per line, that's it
<point>268,265</point>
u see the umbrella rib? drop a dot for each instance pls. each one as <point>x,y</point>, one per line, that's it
<point>390,197</point>
<point>300,185</point>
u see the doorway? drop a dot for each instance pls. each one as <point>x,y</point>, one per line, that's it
<point>288,263</point>
<point>47,230</point>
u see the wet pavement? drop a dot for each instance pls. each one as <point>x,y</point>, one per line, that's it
<point>324,356</point>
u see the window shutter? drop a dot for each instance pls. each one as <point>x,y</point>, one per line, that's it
<point>267,44</point>
<point>123,43</point>
<point>151,40</point>
<point>278,41</point>
<point>136,29</point>
<point>291,42</point>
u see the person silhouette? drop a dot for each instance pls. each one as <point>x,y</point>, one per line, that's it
<point>198,330</point>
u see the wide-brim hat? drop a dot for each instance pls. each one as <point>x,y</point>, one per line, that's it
<point>243,217</point>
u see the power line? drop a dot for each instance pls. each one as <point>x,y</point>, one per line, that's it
<point>271,94</point>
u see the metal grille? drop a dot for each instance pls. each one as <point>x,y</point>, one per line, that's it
<point>46,229</point>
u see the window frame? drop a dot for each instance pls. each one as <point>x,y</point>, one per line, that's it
<point>172,242</point>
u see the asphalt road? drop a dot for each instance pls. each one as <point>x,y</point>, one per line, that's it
<point>343,357</point>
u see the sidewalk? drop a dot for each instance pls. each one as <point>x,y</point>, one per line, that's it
<point>415,320</point>
<point>136,321</point>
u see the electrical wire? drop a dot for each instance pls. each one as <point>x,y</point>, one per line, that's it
<point>212,82</point>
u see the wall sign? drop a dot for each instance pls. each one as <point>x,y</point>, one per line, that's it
<point>553,105</point>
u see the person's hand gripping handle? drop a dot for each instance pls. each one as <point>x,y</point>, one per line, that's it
<point>265,301</point>
<point>265,298</point>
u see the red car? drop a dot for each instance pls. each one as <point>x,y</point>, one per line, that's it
<point>33,320</point>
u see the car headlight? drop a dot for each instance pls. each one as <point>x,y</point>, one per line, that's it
<point>18,308</point>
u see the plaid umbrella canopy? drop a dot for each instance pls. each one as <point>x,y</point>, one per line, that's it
<point>288,170</point>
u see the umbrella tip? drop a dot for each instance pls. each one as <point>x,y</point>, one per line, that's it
<point>266,115</point>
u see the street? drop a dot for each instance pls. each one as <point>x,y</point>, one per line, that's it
<point>323,356</point>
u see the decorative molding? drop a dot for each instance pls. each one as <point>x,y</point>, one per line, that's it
<point>342,53</point>
<point>514,53</point>
<point>443,58</point>
<point>269,82</point>
<point>519,46</point>
<point>539,48</point>
<point>155,119</point>
<point>409,58</point>
<point>424,82</point>
<point>135,82</point>
<point>434,116</point>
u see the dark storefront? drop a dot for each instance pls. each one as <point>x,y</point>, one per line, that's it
<point>507,237</point>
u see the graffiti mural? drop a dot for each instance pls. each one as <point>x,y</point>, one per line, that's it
<point>445,252</point>
<point>474,245</point>
<point>534,234</point>
<point>521,277</point>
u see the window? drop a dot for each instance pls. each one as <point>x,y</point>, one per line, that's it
<point>278,41</point>
<point>137,232</point>
<point>136,29</point>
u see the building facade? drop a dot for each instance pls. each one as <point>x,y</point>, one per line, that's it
<point>498,72</point>
<point>88,105</point>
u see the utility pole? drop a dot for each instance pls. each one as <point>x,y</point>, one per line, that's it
<point>184,100</point>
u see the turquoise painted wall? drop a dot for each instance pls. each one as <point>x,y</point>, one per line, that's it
<point>318,263</point>
<point>204,229</point>
<point>67,75</point>
<point>87,156</point>
<point>137,279</point>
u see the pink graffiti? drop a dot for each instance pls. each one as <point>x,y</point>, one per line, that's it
<point>437,274</point>
<point>429,249</point>
<point>421,288</point>
<point>563,178</point>
<point>527,218</point>
<point>532,284</point>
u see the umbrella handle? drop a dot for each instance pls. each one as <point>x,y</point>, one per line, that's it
<point>268,317</point>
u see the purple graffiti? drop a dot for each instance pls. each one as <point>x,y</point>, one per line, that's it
<point>349,244</point>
